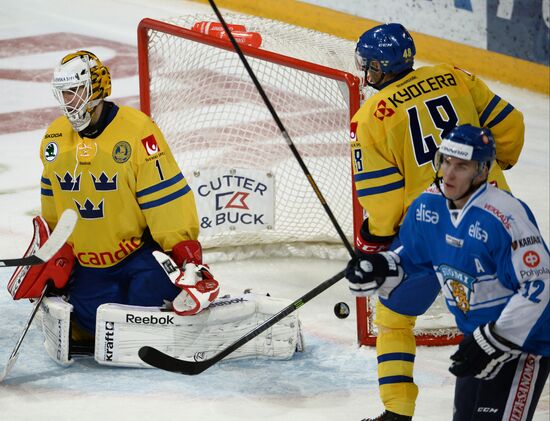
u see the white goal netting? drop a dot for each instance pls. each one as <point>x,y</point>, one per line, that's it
<point>253,197</point>
<point>227,142</point>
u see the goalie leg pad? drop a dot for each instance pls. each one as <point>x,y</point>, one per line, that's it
<point>121,330</point>
<point>56,323</point>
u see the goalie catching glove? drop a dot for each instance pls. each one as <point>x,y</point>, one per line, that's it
<point>374,273</point>
<point>199,288</point>
<point>29,281</point>
<point>482,354</point>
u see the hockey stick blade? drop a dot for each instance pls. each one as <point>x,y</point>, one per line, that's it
<point>57,239</point>
<point>159,359</point>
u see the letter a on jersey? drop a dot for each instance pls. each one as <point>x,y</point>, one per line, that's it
<point>479,266</point>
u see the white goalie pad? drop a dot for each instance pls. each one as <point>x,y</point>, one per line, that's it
<point>56,323</point>
<point>122,330</point>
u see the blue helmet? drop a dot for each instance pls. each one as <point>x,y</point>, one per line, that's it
<point>469,143</point>
<point>390,44</point>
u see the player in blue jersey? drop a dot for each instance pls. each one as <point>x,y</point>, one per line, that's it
<point>394,137</point>
<point>483,248</point>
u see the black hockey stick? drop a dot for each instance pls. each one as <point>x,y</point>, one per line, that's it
<point>56,240</point>
<point>163,361</point>
<point>283,130</point>
<point>15,353</point>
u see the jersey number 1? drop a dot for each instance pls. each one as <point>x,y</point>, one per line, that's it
<point>159,169</point>
<point>425,146</point>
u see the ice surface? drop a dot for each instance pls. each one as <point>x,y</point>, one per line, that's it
<point>332,380</point>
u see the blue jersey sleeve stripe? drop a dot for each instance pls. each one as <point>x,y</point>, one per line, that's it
<point>45,181</point>
<point>396,356</point>
<point>160,186</point>
<point>501,116</point>
<point>46,192</point>
<point>488,110</point>
<point>166,199</point>
<point>375,174</point>
<point>394,379</point>
<point>380,189</point>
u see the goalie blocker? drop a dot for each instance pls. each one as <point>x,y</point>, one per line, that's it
<point>121,330</point>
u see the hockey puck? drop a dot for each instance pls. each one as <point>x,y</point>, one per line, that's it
<point>341,310</point>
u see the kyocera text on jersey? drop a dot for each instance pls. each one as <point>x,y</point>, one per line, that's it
<point>423,86</point>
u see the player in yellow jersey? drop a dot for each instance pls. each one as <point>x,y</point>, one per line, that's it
<point>112,165</point>
<point>394,138</point>
<point>134,245</point>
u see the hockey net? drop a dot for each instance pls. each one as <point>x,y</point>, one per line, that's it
<point>253,197</point>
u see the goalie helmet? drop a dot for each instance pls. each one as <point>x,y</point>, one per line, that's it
<point>390,44</point>
<point>80,82</point>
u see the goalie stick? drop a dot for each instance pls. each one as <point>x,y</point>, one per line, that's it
<point>59,236</point>
<point>57,239</point>
<point>15,353</point>
<point>166,362</point>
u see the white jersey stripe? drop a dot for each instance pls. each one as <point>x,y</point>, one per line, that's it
<point>523,387</point>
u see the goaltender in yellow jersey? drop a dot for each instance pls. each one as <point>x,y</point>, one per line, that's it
<point>137,220</point>
<point>121,182</point>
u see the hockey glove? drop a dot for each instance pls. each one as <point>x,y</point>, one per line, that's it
<point>372,273</point>
<point>482,354</point>
<point>199,288</point>
<point>29,281</point>
<point>367,243</point>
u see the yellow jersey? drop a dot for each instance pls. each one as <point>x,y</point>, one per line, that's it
<point>123,184</point>
<point>396,132</point>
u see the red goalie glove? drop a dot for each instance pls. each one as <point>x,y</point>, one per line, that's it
<point>199,288</point>
<point>29,281</point>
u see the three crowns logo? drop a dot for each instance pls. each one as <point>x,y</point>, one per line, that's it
<point>89,210</point>
<point>69,183</point>
<point>102,183</point>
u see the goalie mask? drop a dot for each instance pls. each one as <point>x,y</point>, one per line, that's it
<point>80,82</point>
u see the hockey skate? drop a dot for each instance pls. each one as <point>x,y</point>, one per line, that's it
<point>389,416</point>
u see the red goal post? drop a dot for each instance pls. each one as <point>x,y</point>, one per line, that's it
<point>196,89</point>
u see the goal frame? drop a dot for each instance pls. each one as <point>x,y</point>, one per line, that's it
<point>365,335</point>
